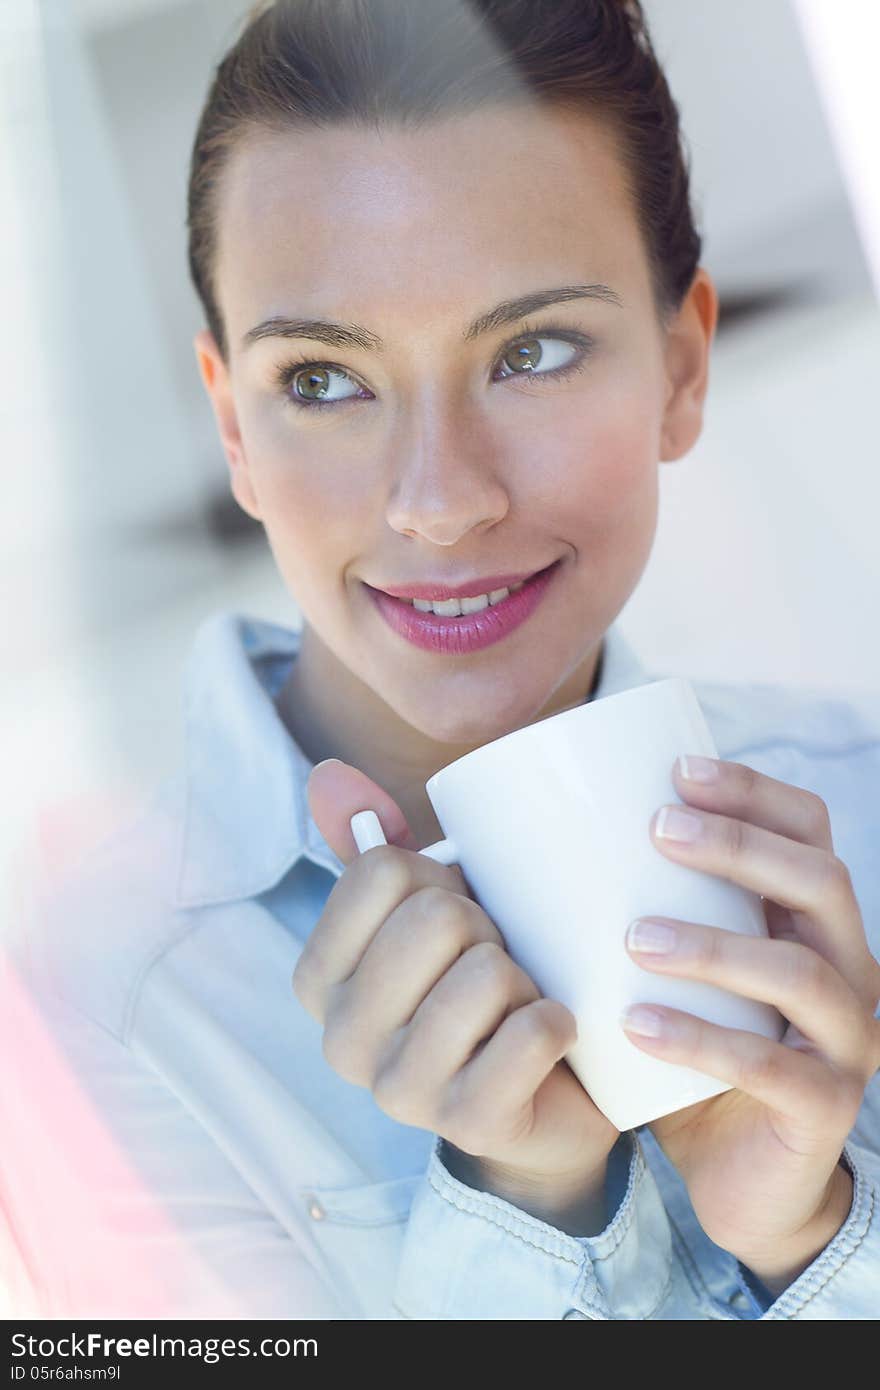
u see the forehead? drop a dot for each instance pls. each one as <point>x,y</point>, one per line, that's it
<point>444,216</point>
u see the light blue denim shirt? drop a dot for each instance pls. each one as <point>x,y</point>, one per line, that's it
<point>267,1186</point>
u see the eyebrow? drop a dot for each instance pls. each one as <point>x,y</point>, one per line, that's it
<point>351,335</point>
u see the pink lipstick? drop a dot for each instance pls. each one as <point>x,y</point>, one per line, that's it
<point>469,632</point>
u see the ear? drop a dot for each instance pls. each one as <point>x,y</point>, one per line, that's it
<point>215,377</point>
<point>688,343</point>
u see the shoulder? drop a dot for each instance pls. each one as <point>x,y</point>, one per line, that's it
<point>820,722</point>
<point>92,939</point>
<point>831,738</point>
<point>827,742</point>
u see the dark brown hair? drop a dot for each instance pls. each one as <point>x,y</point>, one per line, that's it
<point>300,64</point>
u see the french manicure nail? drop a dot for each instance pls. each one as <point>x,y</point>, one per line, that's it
<point>674,823</point>
<point>640,1019</point>
<point>695,769</point>
<point>656,937</point>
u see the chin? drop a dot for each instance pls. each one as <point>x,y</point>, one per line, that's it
<point>482,728</point>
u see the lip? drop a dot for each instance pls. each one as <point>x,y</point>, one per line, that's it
<point>471,631</point>
<point>470,589</point>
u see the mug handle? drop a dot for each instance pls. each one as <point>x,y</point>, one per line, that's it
<point>367,831</point>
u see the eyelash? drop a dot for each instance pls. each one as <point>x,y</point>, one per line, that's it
<point>286,372</point>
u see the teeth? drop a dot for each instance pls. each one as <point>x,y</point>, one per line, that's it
<point>454,607</point>
<point>473,605</point>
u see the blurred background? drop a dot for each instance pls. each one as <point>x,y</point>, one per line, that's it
<point>120,535</point>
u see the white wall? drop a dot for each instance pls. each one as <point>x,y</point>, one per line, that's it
<point>764,168</point>
<point>766,565</point>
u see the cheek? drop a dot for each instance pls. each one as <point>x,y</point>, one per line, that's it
<point>313,528</point>
<point>310,494</point>
<point>601,477</point>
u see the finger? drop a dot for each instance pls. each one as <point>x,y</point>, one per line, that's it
<point>798,815</point>
<point>453,1021</point>
<point>362,898</point>
<point>418,944</point>
<point>794,979</point>
<point>806,1091</point>
<point>800,877</point>
<point>505,1074</point>
<point>336,790</point>
<point>745,794</point>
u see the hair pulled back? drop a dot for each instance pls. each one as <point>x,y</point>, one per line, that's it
<point>310,64</point>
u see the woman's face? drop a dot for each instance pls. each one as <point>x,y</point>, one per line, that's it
<point>439,457</point>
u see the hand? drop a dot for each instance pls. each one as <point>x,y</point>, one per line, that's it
<point>762,1162</point>
<point>422,1005</point>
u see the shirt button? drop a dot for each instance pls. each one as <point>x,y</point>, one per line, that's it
<point>316,1211</point>
<point>740,1300</point>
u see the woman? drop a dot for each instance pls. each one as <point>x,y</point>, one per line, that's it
<point>455,318</point>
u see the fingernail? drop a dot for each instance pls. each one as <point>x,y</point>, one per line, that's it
<point>696,769</point>
<point>674,823</point>
<point>366,829</point>
<point>645,935</point>
<point>325,762</point>
<point>640,1019</point>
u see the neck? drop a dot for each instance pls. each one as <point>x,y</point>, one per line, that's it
<point>331,713</point>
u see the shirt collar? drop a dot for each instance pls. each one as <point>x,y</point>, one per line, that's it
<point>246,818</point>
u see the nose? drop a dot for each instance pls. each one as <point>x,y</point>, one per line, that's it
<point>446,483</point>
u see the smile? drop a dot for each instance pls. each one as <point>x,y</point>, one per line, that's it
<point>457,626</point>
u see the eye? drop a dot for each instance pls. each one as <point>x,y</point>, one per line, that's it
<point>567,353</point>
<point>308,385</point>
<point>312,383</point>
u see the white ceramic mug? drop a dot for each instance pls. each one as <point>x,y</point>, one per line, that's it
<point>550,826</point>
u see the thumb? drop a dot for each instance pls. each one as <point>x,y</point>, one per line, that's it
<point>336,790</point>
